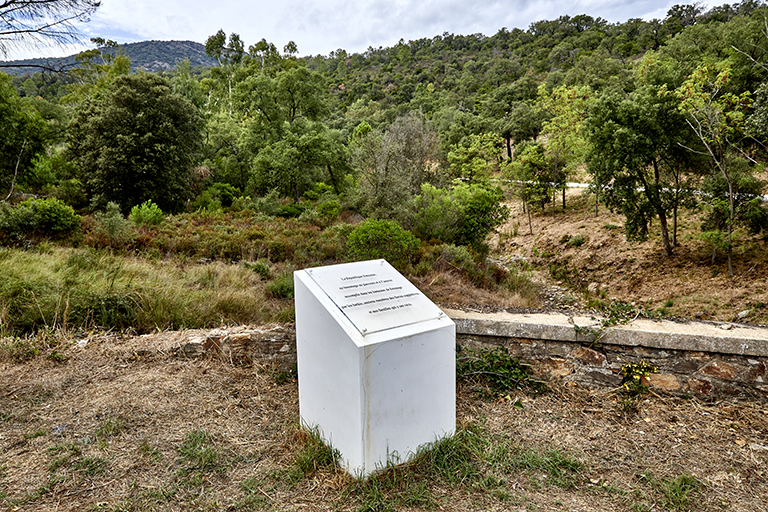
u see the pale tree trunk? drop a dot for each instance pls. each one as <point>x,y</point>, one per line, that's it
<point>15,173</point>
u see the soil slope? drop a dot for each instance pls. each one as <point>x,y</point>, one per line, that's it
<point>585,259</point>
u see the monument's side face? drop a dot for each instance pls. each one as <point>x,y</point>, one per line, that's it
<point>329,374</point>
<point>376,361</point>
<point>409,394</point>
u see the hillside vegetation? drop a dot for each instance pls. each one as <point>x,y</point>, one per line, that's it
<point>450,156</point>
<point>151,56</point>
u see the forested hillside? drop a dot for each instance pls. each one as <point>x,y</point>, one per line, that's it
<point>274,160</point>
<point>153,56</point>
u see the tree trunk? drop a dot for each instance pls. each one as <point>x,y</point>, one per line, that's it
<point>664,232</point>
<point>334,180</point>
<point>674,225</point>
<point>730,226</point>
<point>554,201</point>
<point>530,224</point>
<point>15,172</point>
<point>509,147</point>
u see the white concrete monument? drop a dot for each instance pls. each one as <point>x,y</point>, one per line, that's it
<point>376,363</point>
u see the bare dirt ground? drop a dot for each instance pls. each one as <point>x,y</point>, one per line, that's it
<point>684,285</point>
<point>113,426</point>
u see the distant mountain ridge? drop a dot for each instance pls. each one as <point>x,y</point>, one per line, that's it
<point>152,56</point>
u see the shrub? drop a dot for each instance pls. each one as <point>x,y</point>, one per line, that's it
<point>329,211</point>
<point>281,287</point>
<point>36,219</point>
<point>146,214</point>
<point>206,202</point>
<point>463,215</point>
<point>309,216</point>
<point>288,211</point>
<point>224,193</point>
<point>386,239</point>
<point>268,205</point>
<point>261,267</point>
<point>113,226</point>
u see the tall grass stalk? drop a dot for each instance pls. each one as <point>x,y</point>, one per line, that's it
<point>84,288</point>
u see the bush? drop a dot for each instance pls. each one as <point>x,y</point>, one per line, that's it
<point>281,287</point>
<point>463,215</point>
<point>261,267</point>
<point>268,205</point>
<point>292,210</point>
<point>36,219</point>
<point>224,193</point>
<point>374,239</point>
<point>113,226</point>
<point>309,216</point>
<point>146,214</point>
<point>329,211</point>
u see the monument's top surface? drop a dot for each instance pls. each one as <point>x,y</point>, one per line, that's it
<point>374,296</point>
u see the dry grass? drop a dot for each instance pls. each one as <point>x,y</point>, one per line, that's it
<point>687,284</point>
<point>82,288</point>
<point>447,287</point>
<point>107,429</point>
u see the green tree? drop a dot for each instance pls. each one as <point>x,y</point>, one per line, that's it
<point>229,56</point>
<point>476,158</point>
<point>281,119</point>
<point>137,141</point>
<point>565,144</point>
<point>717,119</point>
<point>393,164</point>
<point>635,146</point>
<point>463,215</point>
<point>23,136</point>
<point>96,69</point>
<point>748,207</point>
<point>530,176</point>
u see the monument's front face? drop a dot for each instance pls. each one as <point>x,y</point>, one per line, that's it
<point>376,363</point>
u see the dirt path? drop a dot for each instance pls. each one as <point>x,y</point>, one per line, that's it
<point>115,427</point>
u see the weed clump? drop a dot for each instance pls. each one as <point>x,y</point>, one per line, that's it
<point>315,454</point>
<point>495,371</point>
<point>281,287</point>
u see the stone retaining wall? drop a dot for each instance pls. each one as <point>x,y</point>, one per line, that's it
<point>680,372</point>
<point>707,360</point>
<point>698,362</point>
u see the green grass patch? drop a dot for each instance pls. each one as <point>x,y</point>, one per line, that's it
<point>495,372</point>
<point>31,435</point>
<point>470,460</point>
<point>557,467</point>
<point>679,491</point>
<point>81,289</point>
<point>314,455</point>
<point>199,453</point>
<point>111,427</point>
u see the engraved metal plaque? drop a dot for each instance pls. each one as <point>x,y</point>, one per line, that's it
<point>374,296</point>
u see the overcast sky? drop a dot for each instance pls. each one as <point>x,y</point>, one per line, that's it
<point>321,26</point>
